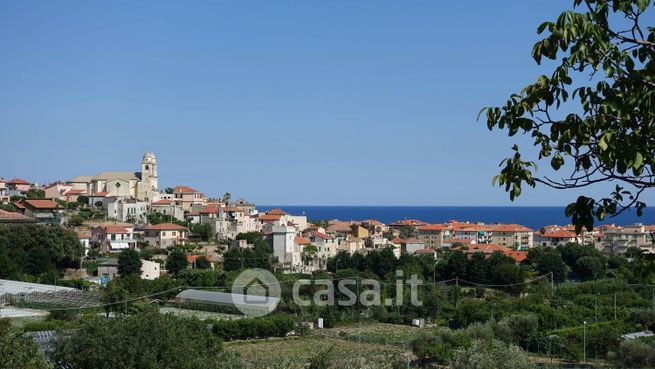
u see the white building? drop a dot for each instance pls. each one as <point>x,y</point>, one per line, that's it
<point>285,248</point>
<point>229,221</point>
<point>109,269</point>
<point>326,247</point>
<point>167,207</point>
<point>125,210</point>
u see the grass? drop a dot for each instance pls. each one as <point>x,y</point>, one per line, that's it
<point>297,352</point>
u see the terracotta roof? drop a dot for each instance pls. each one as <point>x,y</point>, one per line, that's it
<point>276,212</point>
<point>322,235</point>
<point>184,189</point>
<point>209,209</point>
<point>19,205</point>
<point>18,181</point>
<point>193,213</point>
<point>339,227</point>
<point>269,217</point>
<point>114,229</point>
<point>192,258</point>
<point>100,194</point>
<point>41,204</point>
<point>11,215</point>
<point>397,240</point>
<point>433,227</point>
<point>74,192</point>
<point>411,240</point>
<point>163,202</point>
<point>510,228</point>
<point>424,251</point>
<point>559,234</point>
<point>518,256</point>
<point>301,240</point>
<point>83,233</point>
<point>165,227</point>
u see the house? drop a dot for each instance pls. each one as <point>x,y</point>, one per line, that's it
<point>44,211</point>
<point>98,198</point>
<point>351,244</point>
<point>108,269</point>
<point>618,239</point>
<point>125,209</point>
<point>192,217</point>
<point>168,208</point>
<point>358,231</point>
<point>285,248</point>
<point>326,246</point>
<point>556,237</point>
<point>18,186</point>
<point>244,205</point>
<point>411,245</point>
<point>139,185</point>
<point>4,191</point>
<point>114,238</point>
<point>479,233</point>
<point>375,228</point>
<point>339,229</point>
<point>432,235</point>
<point>229,221</point>
<point>165,235</point>
<point>8,217</point>
<point>186,197</point>
<point>514,236</point>
<point>56,191</point>
<point>85,236</point>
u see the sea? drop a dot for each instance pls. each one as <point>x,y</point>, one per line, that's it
<point>534,217</point>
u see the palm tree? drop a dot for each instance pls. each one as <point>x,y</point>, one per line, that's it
<point>309,253</point>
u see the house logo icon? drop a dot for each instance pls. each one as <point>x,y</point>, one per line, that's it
<point>256,292</point>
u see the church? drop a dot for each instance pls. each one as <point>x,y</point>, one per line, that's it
<point>139,185</point>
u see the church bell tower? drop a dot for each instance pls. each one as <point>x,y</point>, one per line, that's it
<point>149,175</point>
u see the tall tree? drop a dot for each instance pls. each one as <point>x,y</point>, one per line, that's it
<point>141,341</point>
<point>129,262</point>
<point>176,261</point>
<point>600,127</point>
<point>18,351</point>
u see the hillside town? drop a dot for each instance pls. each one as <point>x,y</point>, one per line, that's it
<point>114,211</point>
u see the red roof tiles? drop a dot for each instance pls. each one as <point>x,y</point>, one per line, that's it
<point>184,189</point>
<point>41,204</point>
<point>301,240</point>
<point>276,212</point>
<point>163,202</point>
<point>165,227</point>
<point>18,181</point>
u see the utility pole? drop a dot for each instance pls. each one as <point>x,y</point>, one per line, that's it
<point>584,342</point>
<point>456,290</point>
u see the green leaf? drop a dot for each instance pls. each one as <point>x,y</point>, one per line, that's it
<point>639,160</point>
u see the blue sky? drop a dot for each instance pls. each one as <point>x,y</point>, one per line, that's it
<point>283,102</point>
